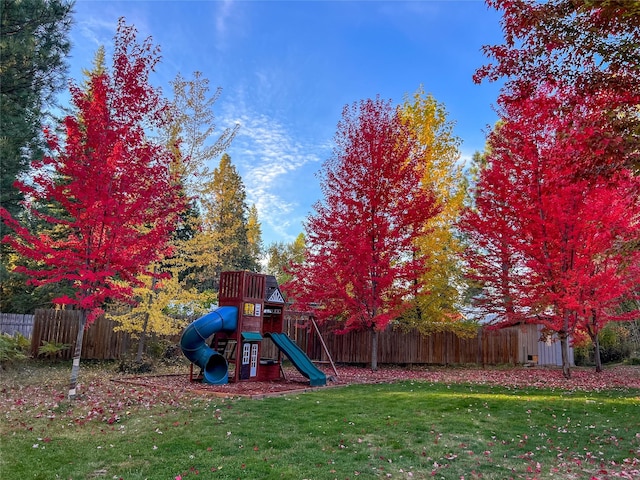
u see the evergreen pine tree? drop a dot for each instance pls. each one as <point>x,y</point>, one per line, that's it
<point>254,237</point>
<point>223,243</point>
<point>33,47</point>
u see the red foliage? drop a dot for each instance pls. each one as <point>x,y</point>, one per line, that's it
<point>360,260</point>
<point>570,103</point>
<point>563,39</point>
<point>111,183</point>
<point>549,245</point>
<point>589,46</point>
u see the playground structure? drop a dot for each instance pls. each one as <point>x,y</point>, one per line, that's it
<point>247,341</point>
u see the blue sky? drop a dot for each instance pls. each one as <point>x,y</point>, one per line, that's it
<point>287,69</point>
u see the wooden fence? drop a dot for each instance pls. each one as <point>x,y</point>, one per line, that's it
<point>12,323</point>
<point>100,342</point>
<point>487,347</point>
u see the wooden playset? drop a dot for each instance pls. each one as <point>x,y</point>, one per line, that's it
<point>242,340</point>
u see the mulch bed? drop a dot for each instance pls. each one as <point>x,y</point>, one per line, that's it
<point>619,377</point>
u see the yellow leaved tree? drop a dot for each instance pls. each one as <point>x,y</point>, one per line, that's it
<point>438,307</point>
<point>164,307</point>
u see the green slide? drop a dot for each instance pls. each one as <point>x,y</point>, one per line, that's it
<point>299,359</point>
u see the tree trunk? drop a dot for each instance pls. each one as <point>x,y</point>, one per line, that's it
<point>564,349</point>
<point>75,369</point>
<point>596,352</point>
<point>145,324</point>
<point>143,338</point>
<point>593,331</point>
<point>374,349</point>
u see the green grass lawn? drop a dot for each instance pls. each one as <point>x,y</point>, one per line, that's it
<point>402,430</point>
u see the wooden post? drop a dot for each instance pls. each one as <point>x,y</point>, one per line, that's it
<point>75,368</point>
<point>324,346</point>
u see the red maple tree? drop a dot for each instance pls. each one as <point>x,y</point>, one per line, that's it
<point>111,183</point>
<point>361,262</point>
<point>582,56</point>
<point>588,46</point>
<point>548,244</point>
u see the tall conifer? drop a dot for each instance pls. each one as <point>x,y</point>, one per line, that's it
<point>223,243</point>
<point>34,44</point>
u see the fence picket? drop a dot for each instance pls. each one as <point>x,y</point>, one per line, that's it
<point>12,323</point>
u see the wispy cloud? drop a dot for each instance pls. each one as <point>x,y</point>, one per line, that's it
<point>95,31</point>
<point>226,23</point>
<point>222,15</point>
<point>268,158</point>
<point>97,27</point>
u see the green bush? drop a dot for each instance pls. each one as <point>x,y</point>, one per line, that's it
<point>131,366</point>
<point>52,349</point>
<point>163,349</point>
<point>13,348</point>
<point>614,347</point>
<point>583,355</point>
<point>156,348</point>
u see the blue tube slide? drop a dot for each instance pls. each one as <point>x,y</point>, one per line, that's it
<point>215,369</point>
